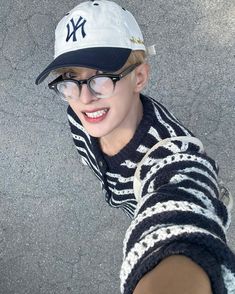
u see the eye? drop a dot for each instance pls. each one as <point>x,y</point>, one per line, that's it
<point>69,75</point>
<point>99,72</point>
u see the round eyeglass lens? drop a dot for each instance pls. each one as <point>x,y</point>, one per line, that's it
<point>102,87</point>
<point>68,90</point>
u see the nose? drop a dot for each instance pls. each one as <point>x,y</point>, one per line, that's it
<point>86,96</point>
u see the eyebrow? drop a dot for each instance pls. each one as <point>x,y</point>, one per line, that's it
<point>78,73</point>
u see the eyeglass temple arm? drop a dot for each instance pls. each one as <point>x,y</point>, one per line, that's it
<point>51,84</point>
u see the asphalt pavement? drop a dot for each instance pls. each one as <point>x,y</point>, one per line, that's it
<point>57,234</point>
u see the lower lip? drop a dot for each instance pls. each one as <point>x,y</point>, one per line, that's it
<point>95,119</point>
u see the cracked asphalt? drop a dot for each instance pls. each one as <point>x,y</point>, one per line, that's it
<point>57,234</point>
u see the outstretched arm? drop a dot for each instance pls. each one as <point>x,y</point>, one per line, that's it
<point>179,216</point>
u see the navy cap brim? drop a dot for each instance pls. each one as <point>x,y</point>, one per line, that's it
<point>104,58</point>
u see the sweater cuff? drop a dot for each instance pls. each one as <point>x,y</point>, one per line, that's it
<point>196,253</point>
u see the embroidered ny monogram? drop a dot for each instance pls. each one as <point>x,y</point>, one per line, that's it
<point>80,24</point>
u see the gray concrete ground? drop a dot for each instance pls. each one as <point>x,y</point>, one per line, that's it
<point>57,235</point>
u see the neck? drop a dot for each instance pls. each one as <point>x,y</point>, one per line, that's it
<point>112,143</point>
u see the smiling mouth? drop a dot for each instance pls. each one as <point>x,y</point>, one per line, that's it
<point>96,114</point>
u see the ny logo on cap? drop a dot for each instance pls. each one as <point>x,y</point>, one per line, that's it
<point>80,24</point>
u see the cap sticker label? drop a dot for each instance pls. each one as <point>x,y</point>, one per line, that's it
<point>71,26</point>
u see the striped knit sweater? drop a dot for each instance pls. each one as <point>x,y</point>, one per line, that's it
<point>175,208</point>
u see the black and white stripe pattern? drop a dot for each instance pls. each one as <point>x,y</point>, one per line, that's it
<point>178,202</point>
<point>176,209</point>
<point>117,177</point>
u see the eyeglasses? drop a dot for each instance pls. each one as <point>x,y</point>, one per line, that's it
<point>100,85</point>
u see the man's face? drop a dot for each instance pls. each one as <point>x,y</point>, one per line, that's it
<point>106,117</point>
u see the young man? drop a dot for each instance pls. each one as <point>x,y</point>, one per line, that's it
<point>148,163</point>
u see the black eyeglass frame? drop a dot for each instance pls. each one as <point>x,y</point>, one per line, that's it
<point>114,77</point>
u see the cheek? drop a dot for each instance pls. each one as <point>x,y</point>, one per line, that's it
<point>123,94</point>
<point>121,106</point>
<point>75,108</point>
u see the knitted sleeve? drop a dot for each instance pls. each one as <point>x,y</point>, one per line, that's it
<point>179,211</point>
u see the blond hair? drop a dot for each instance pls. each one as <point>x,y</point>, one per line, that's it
<point>136,56</point>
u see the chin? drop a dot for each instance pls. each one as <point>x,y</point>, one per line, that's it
<point>98,130</point>
<point>95,133</point>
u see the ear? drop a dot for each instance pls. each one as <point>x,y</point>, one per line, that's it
<point>141,77</point>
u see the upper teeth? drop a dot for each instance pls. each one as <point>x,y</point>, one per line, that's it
<point>96,114</point>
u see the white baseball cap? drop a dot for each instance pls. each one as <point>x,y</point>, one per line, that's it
<point>95,34</point>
